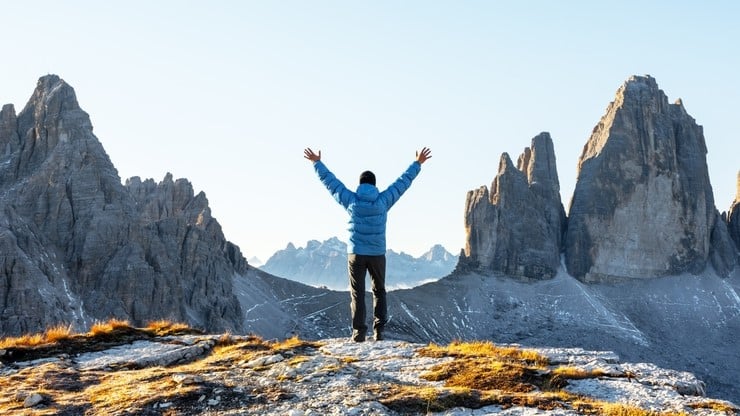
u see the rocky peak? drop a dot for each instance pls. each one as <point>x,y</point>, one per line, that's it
<point>135,252</point>
<point>538,162</point>
<point>9,140</point>
<point>437,253</point>
<point>517,228</point>
<point>643,204</point>
<point>157,201</point>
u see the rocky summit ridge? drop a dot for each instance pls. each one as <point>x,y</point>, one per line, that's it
<point>134,371</point>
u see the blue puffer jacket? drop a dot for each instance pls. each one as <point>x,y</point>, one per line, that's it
<point>367,207</point>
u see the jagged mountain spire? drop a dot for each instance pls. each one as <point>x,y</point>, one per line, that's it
<point>643,204</point>
<point>517,228</point>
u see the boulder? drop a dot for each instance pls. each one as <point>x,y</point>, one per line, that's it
<point>643,205</point>
<point>517,227</point>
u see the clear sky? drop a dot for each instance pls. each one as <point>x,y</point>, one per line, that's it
<point>228,94</point>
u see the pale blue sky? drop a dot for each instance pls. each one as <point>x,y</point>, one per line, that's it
<point>227,94</point>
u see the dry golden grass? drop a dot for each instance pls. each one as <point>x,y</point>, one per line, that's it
<point>54,334</point>
<point>58,333</point>
<point>483,349</point>
<point>485,374</point>
<point>23,341</point>
<point>298,360</point>
<point>619,409</point>
<point>717,406</point>
<point>424,399</point>
<point>103,328</point>
<point>164,327</point>
<point>293,343</point>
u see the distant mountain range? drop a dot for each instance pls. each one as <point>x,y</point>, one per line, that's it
<point>324,264</point>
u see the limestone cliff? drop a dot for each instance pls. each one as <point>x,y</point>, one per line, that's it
<point>733,216</point>
<point>517,228</point>
<point>80,247</point>
<point>643,205</point>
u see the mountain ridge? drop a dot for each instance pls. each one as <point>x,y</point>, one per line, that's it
<point>324,264</point>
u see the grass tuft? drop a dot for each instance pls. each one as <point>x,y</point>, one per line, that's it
<point>106,328</point>
<point>50,336</point>
<point>163,328</point>
<point>717,406</point>
<point>484,349</point>
<point>58,333</point>
<point>292,344</point>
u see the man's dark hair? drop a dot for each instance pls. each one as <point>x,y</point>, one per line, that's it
<point>367,177</point>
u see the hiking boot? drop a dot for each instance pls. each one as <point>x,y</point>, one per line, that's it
<point>378,335</point>
<point>358,336</point>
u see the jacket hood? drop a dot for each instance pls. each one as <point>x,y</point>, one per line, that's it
<point>367,192</point>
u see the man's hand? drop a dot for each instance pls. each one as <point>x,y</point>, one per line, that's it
<point>310,155</point>
<point>422,156</point>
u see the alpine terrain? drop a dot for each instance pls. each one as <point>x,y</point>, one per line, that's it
<point>643,264</point>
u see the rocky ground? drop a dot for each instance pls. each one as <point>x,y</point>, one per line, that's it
<point>139,373</point>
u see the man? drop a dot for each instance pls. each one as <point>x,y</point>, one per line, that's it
<point>367,208</point>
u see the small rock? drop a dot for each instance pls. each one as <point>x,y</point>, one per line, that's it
<point>201,398</point>
<point>33,400</point>
<point>263,361</point>
<point>186,379</point>
<point>296,412</point>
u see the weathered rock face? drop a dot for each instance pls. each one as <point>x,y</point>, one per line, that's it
<point>80,247</point>
<point>517,229</point>
<point>643,205</point>
<point>733,216</point>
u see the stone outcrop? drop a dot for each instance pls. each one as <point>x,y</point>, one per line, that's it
<point>643,205</point>
<point>517,228</point>
<point>78,246</point>
<point>733,216</point>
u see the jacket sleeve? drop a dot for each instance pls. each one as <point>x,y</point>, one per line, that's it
<point>335,186</point>
<point>397,188</point>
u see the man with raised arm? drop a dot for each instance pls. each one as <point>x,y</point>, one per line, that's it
<point>368,209</point>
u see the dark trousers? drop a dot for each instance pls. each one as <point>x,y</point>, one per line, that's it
<point>359,265</point>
